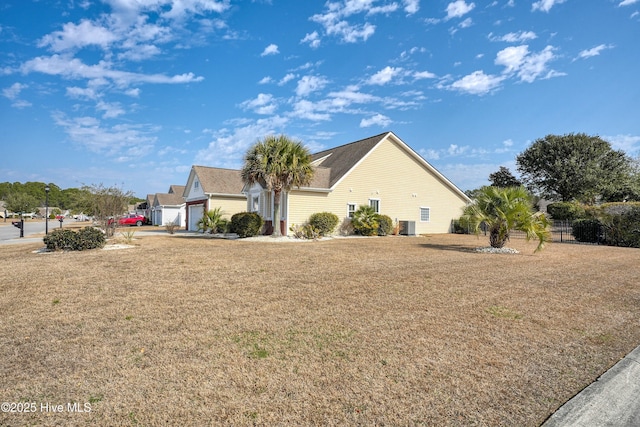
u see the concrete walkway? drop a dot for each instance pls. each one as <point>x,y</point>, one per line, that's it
<point>612,400</point>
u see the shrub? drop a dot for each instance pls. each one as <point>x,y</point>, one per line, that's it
<point>565,211</point>
<point>65,239</point>
<point>587,230</point>
<point>385,225</point>
<point>61,239</point>
<point>324,222</point>
<point>246,224</point>
<point>306,231</point>
<point>171,227</point>
<point>365,221</point>
<point>90,238</point>
<point>624,229</point>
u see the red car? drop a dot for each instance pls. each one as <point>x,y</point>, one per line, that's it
<point>131,219</point>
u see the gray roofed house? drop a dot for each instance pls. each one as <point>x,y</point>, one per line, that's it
<point>209,188</point>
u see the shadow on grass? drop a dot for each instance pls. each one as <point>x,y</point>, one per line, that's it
<point>448,247</point>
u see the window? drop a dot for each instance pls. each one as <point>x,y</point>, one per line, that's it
<point>425,214</point>
<point>351,210</point>
<point>375,204</point>
<point>196,184</point>
<point>255,204</point>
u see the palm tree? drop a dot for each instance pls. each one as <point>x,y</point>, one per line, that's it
<point>278,163</point>
<point>506,209</point>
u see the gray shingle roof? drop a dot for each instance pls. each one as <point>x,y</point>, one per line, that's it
<point>166,199</point>
<point>340,160</point>
<point>219,181</point>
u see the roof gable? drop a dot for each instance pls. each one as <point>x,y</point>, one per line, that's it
<point>340,160</point>
<point>216,180</point>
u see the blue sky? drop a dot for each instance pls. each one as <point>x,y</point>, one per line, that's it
<point>134,92</point>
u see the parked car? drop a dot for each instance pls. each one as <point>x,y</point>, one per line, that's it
<point>132,219</point>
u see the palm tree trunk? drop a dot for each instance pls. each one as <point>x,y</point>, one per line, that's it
<point>497,237</point>
<point>276,214</point>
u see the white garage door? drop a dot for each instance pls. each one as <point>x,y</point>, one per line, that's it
<point>195,213</point>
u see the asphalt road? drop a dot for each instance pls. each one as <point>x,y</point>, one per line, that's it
<point>11,234</point>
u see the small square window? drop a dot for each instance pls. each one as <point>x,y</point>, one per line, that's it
<point>425,214</point>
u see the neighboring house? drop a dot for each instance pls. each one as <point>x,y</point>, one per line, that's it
<point>381,171</point>
<point>209,188</point>
<point>168,208</point>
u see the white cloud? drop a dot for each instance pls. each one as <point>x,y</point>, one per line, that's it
<point>229,145</point>
<point>411,6</point>
<point>265,80</point>
<point>309,84</point>
<point>519,37</point>
<point>76,36</point>
<point>335,23</point>
<point>304,109</point>
<point>262,104</point>
<point>14,90</point>
<point>477,83</point>
<point>526,65</point>
<point>512,57</point>
<point>313,39</point>
<point>287,78</point>
<point>628,2</point>
<point>595,51</point>
<point>418,75</point>
<point>111,110</point>
<point>272,49</point>
<point>122,141</point>
<point>628,143</point>
<point>459,8</point>
<point>377,120</point>
<point>73,68</point>
<point>384,76</point>
<point>545,5</point>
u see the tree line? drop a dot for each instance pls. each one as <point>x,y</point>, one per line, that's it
<point>573,168</point>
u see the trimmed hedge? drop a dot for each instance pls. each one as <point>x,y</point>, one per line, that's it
<point>65,239</point>
<point>324,222</point>
<point>565,211</point>
<point>624,229</point>
<point>587,230</point>
<point>246,224</point>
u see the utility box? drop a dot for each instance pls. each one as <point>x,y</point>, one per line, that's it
<point>407,228</point>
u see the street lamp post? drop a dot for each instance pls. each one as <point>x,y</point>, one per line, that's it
<point>46,211</point>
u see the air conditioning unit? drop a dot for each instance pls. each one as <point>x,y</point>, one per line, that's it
<point>407,228</point>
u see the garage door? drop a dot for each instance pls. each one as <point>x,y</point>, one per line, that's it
<point>195,213</point>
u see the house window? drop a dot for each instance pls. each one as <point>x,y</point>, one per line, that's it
<point>375,204</point>
<point>351,210</point>
<point>255,204</point>
<point>196,184</point>
<point>425,214</point>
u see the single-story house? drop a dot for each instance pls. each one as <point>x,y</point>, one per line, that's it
<point>381,171</point>
<point>169,207</point>
<point>209,188</point>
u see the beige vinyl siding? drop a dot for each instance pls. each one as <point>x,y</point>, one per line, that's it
<point>230,205</point>
<point>395,177</point>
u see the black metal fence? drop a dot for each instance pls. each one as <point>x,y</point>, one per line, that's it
<point>561,232</point>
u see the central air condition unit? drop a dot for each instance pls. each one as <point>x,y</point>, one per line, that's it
<point>407,228</point>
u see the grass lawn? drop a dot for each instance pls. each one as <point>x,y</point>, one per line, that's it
<point>363,331</point>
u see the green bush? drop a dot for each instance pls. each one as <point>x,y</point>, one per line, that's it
<point>587,230</point>
<point>565,211</point>
<point>623,229</point>
<point>246,224</point>
<point>385,225</point>
<point>65,239</point>
<point>324,222</point>
<point>365,221</point>
<point>90,238</point>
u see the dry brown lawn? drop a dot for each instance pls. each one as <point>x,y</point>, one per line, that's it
<point>369,331</point>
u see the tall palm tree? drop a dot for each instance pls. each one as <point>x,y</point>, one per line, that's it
<point>278,163</point>
<point>506,209</point>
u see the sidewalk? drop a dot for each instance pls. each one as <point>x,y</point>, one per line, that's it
<point>612,400</point>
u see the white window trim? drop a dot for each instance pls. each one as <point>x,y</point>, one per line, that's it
<point>429,209</point>
<point>355,208</point>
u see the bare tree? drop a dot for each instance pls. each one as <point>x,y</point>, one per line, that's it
<point>105,205</point>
